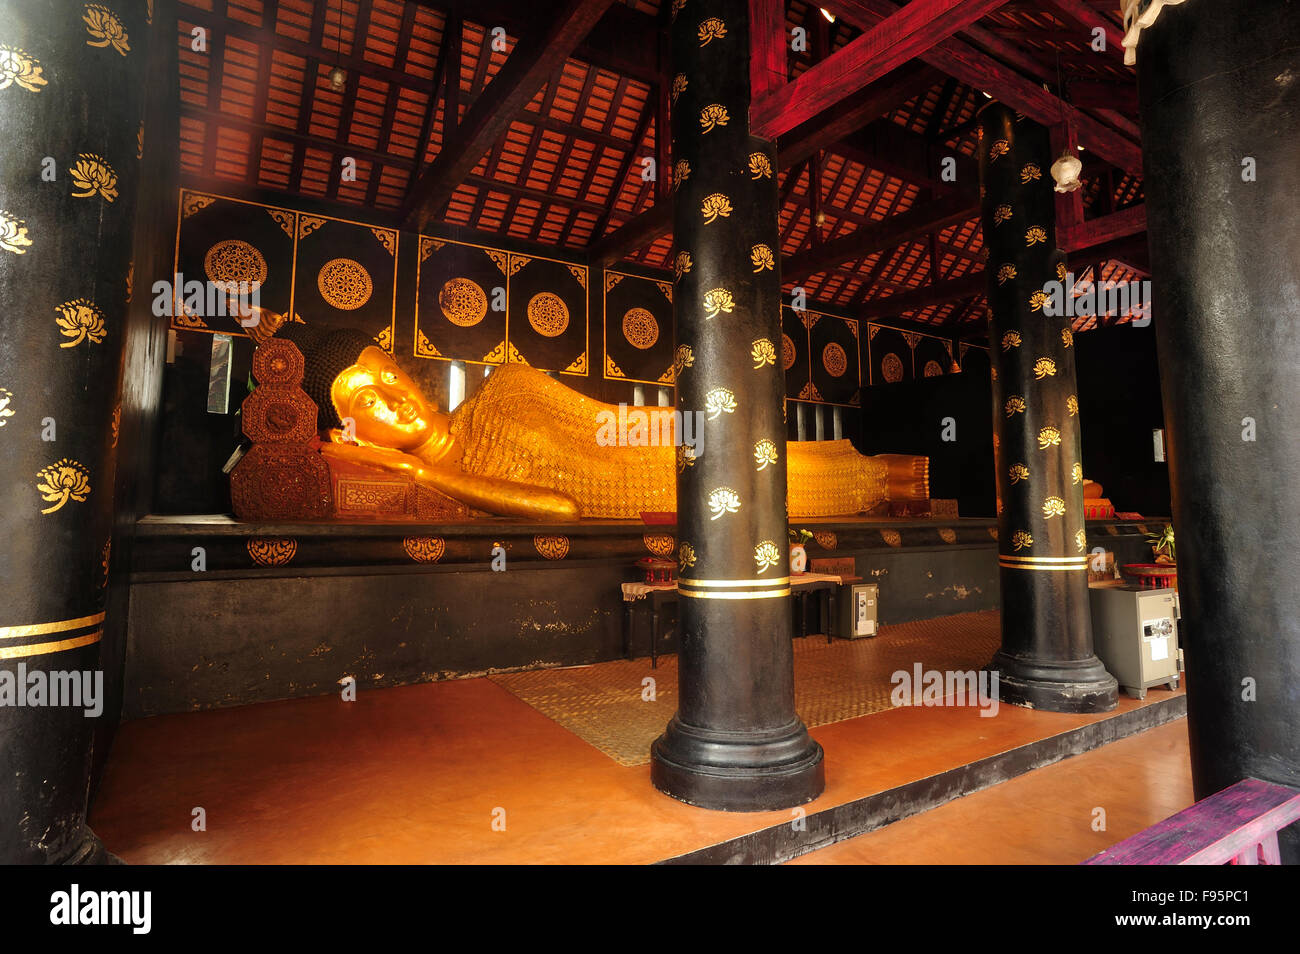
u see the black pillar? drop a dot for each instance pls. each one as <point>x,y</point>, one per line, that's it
<point>70,134</point>
<point>736,742</point>
<point>1046,660</point>
<point>1220,101</point>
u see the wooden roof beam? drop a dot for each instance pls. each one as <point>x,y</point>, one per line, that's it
<point>533,61</point>
<point>954,289</point>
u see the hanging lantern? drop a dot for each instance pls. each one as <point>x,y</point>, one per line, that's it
<point>1066,173</point>
<point>338,79</point>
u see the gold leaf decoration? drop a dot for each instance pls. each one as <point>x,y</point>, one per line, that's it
<point>1072,405</point>
<point>710,30</point>
<point>686,456</point>
<point>1011,340</point>
<point>548,314</point>
<point>91,175</point>
<point>612,279</point>
<point>1035,236</point>
<point>18,66</point>
<point>763,353</point>
<point>809,392</point>
<point>1006,273</point>
<point>1038,299</point>
<point>715,205</point>
<point>1044,368</point>
<point>308,224</point>
<point>718,301</point>
<point>1021,539</point>
<point>233,263</point>
<point>826,539</point>
<point>463,302</point>
<point>712,116</point>
<point>892,537</point>
<point>660,544</point>
<point>1030,173</point>
<point>424,549</point>
<point>81,320</point>
<point>760,167</point>
<point>1015,405</point>
<point>195,202</point>
<point>104,560</point>
<point>13,234</point>
<point>1081,540</point>
<point>683,358</point>
<point>427,247</point>
<point>5,411</point>
<point>1076,474</point>
<point>760,256</point>
<point>115,424</point>
<point>787,352</point>
<point>105,29</point>
<point>1053,507</point>
<point>1001,214</point>
<point>723,500</point>
<point>139,141</point>
<point>552,547</point>
<point>764,453</point>
<point>719,401</point>
<point>1049,437</point>
<point>1067,337</point>
<point>681,172</point>
<point>685,556</point>
<point>1018,472</point>
<point>891,366</point>
<point>424,348</point>
<point>998,150</point>
<point>387,238</point>
<point>947,535</point>
<point>61,482</point>
<point>835,360</point>
<point>268,551</point>
<point>679,86</point>
<point>385,339</point>
<point>579,273</point>
<point>767,555</point>
<point>681,264</point>
<point>1061,273</point>
<point>344,283</point>
<point>640,328</point>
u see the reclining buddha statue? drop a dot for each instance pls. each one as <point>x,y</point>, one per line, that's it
<point>525,445</point>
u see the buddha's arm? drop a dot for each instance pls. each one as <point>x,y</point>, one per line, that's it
<point>504,497</point>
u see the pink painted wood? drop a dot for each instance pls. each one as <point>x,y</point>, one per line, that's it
<point>1238,825</point>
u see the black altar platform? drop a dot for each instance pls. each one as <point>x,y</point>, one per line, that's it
<point>288,610</point>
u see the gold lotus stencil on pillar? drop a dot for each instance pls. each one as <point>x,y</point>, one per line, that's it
<point>13,234</point>
<point>766,555</point>
<point>548,314</point>
<point>719,401</point>
<point>683,358</point>
<point>91,175</point>
<point>104,560</point>
<point>5,397</point>
<point>1072,405</point>
<point>1014,405</point>
<point>115,424</point>
<point>640,328</point>
<point>19,66</point>
<point>1035,236</point>
<point>685,556</point>
<point>686,456</point>
<point>1011,340</point>
<point>764,453</point>
<point>344,283</point>
<point>1018,472</point>
<point>763,353</point>
<point>723,500</point>
<point>1049,437</point>
<point>1067,337</point>
<point>681,172</point>
<point>679,86</point>
<point>760,167</point>
<point>681,264</point>
<point>58,483</point>
<point>1021,539</point>
<point>1053,507</point>
<point>1006,273</point>
<point>1080,540</point>
<point>761,257</point>
<point>718,301</point>
<point>713,116</point>
<point>424,549</point>
<point>81,320</point>
<point>105,29</point>
<point>463,302</point>
<point>551,547</point>
<point>998,150</point>
<point>1037,300</point>
<point>715,205</point>
<point>710,30</point>
<point>1044,368</point>
<point>269,551</point>
<point>1001,214</point>
<point>1030,173</point>
<point>835,360</point>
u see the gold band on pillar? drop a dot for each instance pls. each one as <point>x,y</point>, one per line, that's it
<point>42,629</point>
<point>45,649</point>
<point>734,589</point>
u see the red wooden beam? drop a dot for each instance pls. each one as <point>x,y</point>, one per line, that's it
<point>531,64</point>
<point>637,232</point>
<point>974,283</point>
<point>1076,11</point>
<point>905,34</point>
<point>1107,228</point>
<point>768,67</point>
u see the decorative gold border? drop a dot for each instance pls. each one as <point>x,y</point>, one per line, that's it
<point>42,629</point>
<point>604,329</point>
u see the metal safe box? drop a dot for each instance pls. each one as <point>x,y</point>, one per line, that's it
<point>855,614</point>
<point>1135,632</point>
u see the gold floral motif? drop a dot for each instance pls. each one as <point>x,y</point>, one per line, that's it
<point>104,560</point>
<point>130,281</point>
<point>998,150</point>
<point>1076,474</point>
<point>385,339</point>
<point>232,263</point>
<point>760,256</point>
<point>677,8</point>
<point>715,205</point>
<point>764,453</point>
<point>92,175</point>
<point>1048,437</point>
<point>760,167</point>
<point>723,500</point>
<point>710,30</point>
<point>685,556</point>
<point>61,482</point>
<point>1081,540</point>
<point>681,172</point>
<point>115,424</point>
<point>763,353</point>
<point>683,358</point>
<point>892,537</point>
<point>5,411</point>
<point>105,28</point>
<point>717,301</point>
<point>551,547</point>
<point>1015,405</point>
<point>1006,273</point>
<point>310,223</point>
<point>1030,173</point>
<point>640,328</point>
<point>268,551</point>
<point>1072,405</point>
<point>81,320</point>
<point>681,264</point>
<point>1037,300</point>
<point>1035,235</point>
<point>424,549</point>
<point>195,202</point>
<point>1001,214</point>
<point>1018,472</point>
<point>947,535</point>
<point>809,392</point>
<point>679,86</point>
<point>932,369</point>
<point>548,314</point>
<point>712,116</point>
<point>13,234</point>
<point>18,66</point>
<point>835,360</point>
<point>1044,368</point>
<point>344,283</point>
<point>826,539</point>
<point>1053,507</point>
<point>1061,273</point>
<point>139,141</point>
<point>767,555</point>
<point>686,456</point>
<point>787,352</point>
<point>1021,539</point>
<point>891,366</point>
<point>660,544</point>
<point>719,401</point>
<point>1067,337</point>
<point>463,302</point>
<point>993,532</point>
<point>1011,340</point>
<point>285,221</point>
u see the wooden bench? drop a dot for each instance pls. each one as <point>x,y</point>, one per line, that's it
<point>1238,825</point>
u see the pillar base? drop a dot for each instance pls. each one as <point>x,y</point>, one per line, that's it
<point>738,771</point>
<point>1080,685</point>
<point>91,851</point>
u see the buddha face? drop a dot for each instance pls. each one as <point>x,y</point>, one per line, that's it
<point>386,405</point>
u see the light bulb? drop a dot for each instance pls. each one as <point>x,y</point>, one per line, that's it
<point>830,17</point>
<point>338,79</point>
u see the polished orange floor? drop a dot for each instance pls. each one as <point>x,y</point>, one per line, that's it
<point>421,773</point>
<point>1044,817</point>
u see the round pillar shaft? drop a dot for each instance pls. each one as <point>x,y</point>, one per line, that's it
<point>736,742</point>
<point>70,118</point>
<point>1046,660</point>
<point>1220,110</point>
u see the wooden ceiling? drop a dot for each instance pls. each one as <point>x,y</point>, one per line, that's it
<point>551,134</point>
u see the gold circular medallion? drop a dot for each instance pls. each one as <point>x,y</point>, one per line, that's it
<point>463,302</point>
<point>548,314</point>
<point>834,360</point>
<point>892,368</point>
<point>640,328</point>
<point>344,283</point>
<point>234,261</point>
<point>933,369</point>
<point>787,352</point>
